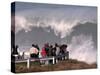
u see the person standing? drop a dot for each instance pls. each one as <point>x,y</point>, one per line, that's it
<point>44,54</point>
<point>33,51</point>
<point>15,53</point>
<point>47,48</point>
<point>36,46</point>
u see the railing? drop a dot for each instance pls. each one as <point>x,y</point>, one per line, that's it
<point>53,58</point>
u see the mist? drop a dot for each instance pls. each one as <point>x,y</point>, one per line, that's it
<point>82,48</point>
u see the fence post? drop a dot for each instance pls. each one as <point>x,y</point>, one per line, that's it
<point>67,54</point>
<point>28,63</point>
<point>53,60</point>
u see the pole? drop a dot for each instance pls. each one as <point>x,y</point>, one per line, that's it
<point>53,60</point>
<point>28,63</point>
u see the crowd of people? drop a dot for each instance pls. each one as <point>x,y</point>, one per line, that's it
<point>47,50</point>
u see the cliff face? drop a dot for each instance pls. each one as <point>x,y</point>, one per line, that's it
<point>62,65</point>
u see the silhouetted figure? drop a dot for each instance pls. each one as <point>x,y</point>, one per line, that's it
<point>57,48</point>
<point>50,53</point>
<point>63,51</point>
<point>15,50</point>
<point>54,51</point>
<point>14,53</point>
<point>38,50</point>
<point>47,48</point>
<point>50,50</point>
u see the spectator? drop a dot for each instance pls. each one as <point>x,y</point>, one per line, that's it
<point>37,49</point>
<point>43,52</point>
<point>54,51</point>
<point>15,50</point>
<point>33,51</point>
<point>63,51</point>
<point>47,48</point>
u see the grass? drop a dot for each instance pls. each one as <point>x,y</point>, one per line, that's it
<point>62,65</point>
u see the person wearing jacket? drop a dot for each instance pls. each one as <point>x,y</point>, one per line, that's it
<point>33,51</point>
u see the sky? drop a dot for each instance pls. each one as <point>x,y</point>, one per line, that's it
<point>73,25</point>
